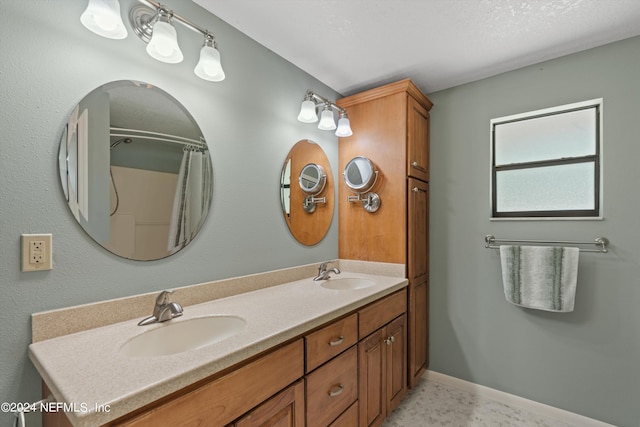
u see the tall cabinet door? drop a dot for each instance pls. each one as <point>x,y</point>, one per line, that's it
<point>418,273</point>
<point>417,140</point>
<point>418,231</point>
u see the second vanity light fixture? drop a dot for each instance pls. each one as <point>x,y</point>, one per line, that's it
<point>153,23</point>
<point>308,114</point>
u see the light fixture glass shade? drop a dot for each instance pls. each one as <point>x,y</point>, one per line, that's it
<point>103,18</point>
<point>209,66</point>
<point>163,45</point>
<point>308,112</point>
<point>344,127</point>
<point>326,120</point>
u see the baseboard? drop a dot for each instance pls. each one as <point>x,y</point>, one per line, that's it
<point>516,401</point>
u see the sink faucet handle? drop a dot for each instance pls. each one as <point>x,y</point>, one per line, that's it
<point>323,266</point>
<point>163,297</point>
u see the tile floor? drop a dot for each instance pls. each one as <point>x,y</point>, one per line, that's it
<point>434,404</point>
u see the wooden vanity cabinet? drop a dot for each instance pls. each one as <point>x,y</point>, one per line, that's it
<point>349,372</point>
<point>391,127</point>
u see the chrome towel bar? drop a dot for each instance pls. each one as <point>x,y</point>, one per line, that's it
<point>601,242</point>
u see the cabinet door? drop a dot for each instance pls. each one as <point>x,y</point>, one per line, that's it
<point>372,354</point>
<point>286,409</point>
<point>418,231</point>
<point>396,342</point>
<point>417,140</point>
<point>418,331</point>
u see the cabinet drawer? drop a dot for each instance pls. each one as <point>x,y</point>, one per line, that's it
<point>332,388</point>
<point>349,418</point>
<point>330,341</point>
<point>382,312</point>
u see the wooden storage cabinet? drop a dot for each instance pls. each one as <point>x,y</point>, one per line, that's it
<point>391,127</point>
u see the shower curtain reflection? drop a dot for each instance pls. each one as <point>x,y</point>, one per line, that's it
<point>191,199</point>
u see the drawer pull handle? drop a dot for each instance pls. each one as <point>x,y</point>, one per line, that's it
<point>336,391</point>
<point>417,166</point>
<point>416,190</point>
<point>337,341</point>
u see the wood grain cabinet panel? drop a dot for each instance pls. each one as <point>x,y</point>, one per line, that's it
<point>382,312</point>
<point>223,400</point>
<point>417,140</point>
<point>332,388</point>
<point>330,341</point>
<point>286,409</point>
<point>349,418</point>
<point>372,380</point>
<point>382,376</point>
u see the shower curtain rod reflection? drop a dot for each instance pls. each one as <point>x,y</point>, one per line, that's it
<point>600,242</point>
<point>156,136</point>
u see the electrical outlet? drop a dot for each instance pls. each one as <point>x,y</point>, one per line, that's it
<point>37,252</point>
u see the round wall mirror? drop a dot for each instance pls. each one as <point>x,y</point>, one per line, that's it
<point>135,170</point>
<point>307,207</point>
<point>360,174</point>
<point>312,179</point>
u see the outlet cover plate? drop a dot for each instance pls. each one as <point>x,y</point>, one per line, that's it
<point>43,251</point>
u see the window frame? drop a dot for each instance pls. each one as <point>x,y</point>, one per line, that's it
<point>596,159</point>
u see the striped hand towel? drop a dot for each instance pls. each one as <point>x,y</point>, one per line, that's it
<point>539,277</point>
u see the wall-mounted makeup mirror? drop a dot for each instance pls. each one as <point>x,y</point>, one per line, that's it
<point>312,180</point>
<point>308,206</point>
<point>360,175</point>
<point>135,170</point>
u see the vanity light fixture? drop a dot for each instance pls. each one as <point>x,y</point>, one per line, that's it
<point>103,18</point>
<point>153,23</point>
<point>163,44</point>
<point>308,114</point>
<point>326,118</point>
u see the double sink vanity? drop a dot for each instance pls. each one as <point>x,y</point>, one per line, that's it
<point>281,346</point>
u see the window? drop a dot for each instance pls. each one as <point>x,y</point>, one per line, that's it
<point>546,163</point>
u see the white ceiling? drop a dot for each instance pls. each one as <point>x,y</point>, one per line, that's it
<point>352,45</point>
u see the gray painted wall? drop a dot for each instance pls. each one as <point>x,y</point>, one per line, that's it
<point>49,63</point>
<point>585,361</point>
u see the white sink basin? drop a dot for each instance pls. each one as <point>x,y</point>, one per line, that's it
<point>347,283</point>
<point>177,336</point>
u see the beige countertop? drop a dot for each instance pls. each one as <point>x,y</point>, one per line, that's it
<point>87,371</point>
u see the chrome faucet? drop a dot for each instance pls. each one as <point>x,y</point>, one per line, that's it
<point>163,310</point>
<point>323,273</point>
